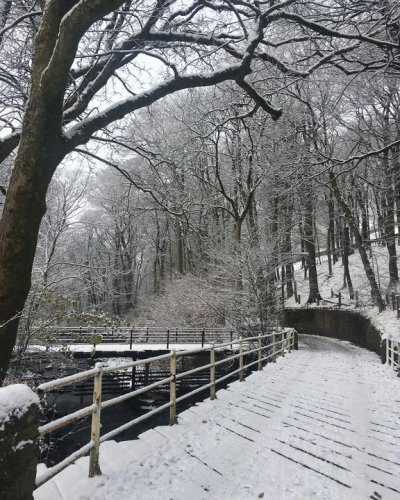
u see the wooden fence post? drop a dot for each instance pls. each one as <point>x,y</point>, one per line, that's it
<point>340,299</point>
<point>231,334</point>
<point>392,343</point>
<point>283,343</point>
<point>295,340</point>
<point>172,389</point>
<point>241,372</point>
<point>203,337</point>
<point>259,365</point>
<point>133,377</point>
<point>393,301</point>
<point>168,338</point>
<point>94,466</point>
<point>131,340</point>
<point>398,306</point>
<point>387,350</point>
<point>212,372</point>
<point>273,347</point>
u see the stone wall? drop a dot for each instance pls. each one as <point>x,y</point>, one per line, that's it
<point>336,323</point>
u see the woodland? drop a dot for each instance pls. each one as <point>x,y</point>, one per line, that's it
<point>169,162</point>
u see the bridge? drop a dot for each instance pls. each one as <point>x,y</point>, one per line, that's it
<point>318,422</point>
<point>127,341</point>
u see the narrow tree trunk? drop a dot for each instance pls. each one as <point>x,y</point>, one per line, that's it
<point>180,248</point>
<point>328,251</point>
<point>380,208</point>
<point>309,240</point>
<point>390,224</point>
<point>396,175</point>
<point>287,248</point>
<point>238,271</point>
<point>302,246</point>
<point>346,248</point>
<point>331,214</point>
<point>364,220</point>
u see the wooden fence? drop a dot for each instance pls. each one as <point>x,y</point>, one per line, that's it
<point>264,348</point>
<point>392,354</point>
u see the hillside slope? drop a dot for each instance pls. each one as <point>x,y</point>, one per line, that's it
<point>386,321</point>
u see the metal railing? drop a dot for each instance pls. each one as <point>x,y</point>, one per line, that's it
<point>266,347</point>
<point>137,335</point>
<point>392,354</point>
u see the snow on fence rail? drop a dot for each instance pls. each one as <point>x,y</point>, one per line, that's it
<point>265,347</point>
<point>392,354</point>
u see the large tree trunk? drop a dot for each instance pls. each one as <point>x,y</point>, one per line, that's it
<point>40,151</point>
<point>19,228</point>
<point>25,205</point>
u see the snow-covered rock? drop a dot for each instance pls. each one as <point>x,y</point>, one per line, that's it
<point>19,422</point>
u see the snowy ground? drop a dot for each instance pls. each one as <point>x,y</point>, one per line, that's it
<point>385,321</point>
<point>321,423</point>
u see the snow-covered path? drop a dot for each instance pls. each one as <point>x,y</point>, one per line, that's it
<point>323,423</point>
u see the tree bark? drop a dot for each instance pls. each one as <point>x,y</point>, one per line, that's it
<point>330,237</point>
<point>346,251</point>
<point>287,248</point>
<point>364,219</point>
<point>390,223</point>
<point>40,151</point>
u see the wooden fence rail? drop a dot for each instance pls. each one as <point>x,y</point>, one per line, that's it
<point>264,347</point>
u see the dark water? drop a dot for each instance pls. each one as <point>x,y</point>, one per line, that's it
<point>59,444</point>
